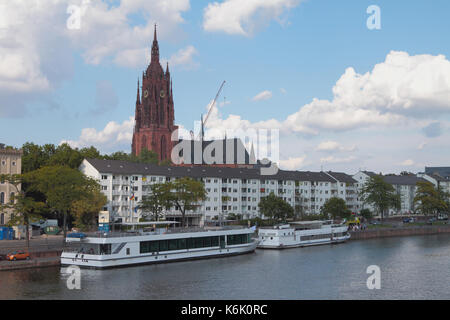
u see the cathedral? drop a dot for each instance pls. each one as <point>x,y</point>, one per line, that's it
<point>154,115</point>
<point>154,127</point>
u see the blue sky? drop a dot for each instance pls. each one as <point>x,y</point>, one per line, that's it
<point>57,82</point>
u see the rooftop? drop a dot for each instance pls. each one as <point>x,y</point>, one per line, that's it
<point>403,180</point>
<point>130,168</point>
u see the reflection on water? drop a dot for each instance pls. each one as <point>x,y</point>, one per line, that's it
<point>411,268</point>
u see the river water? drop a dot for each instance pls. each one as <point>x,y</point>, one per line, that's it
<point>411,268</point>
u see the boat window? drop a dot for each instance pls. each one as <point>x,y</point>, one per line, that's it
<point>128,251</point>
<point>237,239</point>
<point>198,242</point>
<point>163,245</point>
<point>214,241</point>
<point>182,244</point>
<point>173,244</point>
<point>105,248</point>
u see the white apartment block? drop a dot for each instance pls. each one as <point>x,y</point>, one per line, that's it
<point>229,190</point>
<point>404,185</point>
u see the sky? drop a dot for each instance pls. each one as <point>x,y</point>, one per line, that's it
<point>345,86</point>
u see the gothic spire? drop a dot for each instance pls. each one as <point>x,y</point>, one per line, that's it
<point>155,47</point>
<point>138,99</point>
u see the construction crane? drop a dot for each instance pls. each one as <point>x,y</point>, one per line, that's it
<point>203,121</point>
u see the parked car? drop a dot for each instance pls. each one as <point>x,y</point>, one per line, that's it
<point>406,220</point>
<point>431,220</point>
<point>18,255</point>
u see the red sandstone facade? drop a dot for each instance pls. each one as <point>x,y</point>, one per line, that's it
<point>154,117</point>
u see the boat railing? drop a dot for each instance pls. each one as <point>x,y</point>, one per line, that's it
<point>157,231</point>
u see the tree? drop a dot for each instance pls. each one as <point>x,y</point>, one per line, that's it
<point>366,214</point>
<point>25,208</point>
<point>158,199</point>
<point>86,209</point>
<point>66,156</point>
<point>147,156</point>
<point>380,194</point>
<point>61,186</point>
<point>275,208</point>
<point>429,200</point>
<point>185,193</point>
<point>336,208</point>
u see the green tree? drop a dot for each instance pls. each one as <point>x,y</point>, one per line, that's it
<point>380,194</point>
<point>25,208</point>
<point>86,209</point>
<point>66,156</point>
<point>61,186</point>
<point>147,156</point>
<point>158,199</point>
<point>91,153</point>
<point>366,214</point>
<point>33,157</point>
<point>429,200</point>
<point>185,194</point>
<point>336,208</point>
<point>119,155</point>
<point>275,208</point>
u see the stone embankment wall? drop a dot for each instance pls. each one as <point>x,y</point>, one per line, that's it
<point>38,260</point>
<point>398,232</point>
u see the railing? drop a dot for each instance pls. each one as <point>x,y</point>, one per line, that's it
<point>158,231</point>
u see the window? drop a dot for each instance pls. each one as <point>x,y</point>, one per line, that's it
<point>163,245</point>
<point>182,244</point>
<point>173,244</point>
<point>2,198</point>
<point>13,163</point>
<point>128,251</point>
<point>104,177</point>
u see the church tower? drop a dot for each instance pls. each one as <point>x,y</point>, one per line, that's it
<point>154,115</point>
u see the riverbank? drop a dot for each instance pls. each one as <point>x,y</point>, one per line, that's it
<point>401,231</point>
<point>37,260</point>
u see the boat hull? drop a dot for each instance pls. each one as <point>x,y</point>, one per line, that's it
<point>101,262</point>
<point>304,244</point>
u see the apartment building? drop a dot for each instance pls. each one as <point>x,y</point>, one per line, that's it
<point>229,190</point>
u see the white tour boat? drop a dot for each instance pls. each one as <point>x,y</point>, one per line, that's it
<point>302,233</point>
<point>107,250</point>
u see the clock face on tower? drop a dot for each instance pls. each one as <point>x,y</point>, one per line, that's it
<point>145,94</point>
<point>162,94</point>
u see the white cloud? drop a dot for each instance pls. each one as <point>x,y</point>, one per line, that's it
<point>422,146</point>
<point>265,95</point>
<point>332,159</point>
<point>37,47</point>
<point>407,163</point>
<point>114,135</point>
<point>334,146</point>
<point>292,163</point>
<point>243,17</point>
<point>183,57</point>
<point>400,88</point>
<point>106,30</point>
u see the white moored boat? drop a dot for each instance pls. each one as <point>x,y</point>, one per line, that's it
<point>302,233</point>
<point>107,250</point>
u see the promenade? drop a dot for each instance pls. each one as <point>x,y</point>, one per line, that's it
<point>45,251</point>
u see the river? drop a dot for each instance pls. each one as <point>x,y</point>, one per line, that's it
<point>410,268</point>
